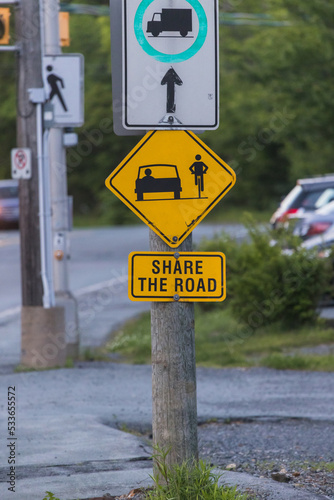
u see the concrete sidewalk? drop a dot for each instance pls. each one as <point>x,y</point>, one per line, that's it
<point>68,424</point>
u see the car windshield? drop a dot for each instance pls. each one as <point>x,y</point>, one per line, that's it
<point>315,199</point>
<point>325,197</point>
<point>9,192</point>
<point>327,209</point>
<point>158,171</point>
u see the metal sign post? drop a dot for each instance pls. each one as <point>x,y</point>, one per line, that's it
<point>37,97</point>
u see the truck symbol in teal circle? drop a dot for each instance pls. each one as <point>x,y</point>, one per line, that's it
<point>171,20</point>
<point>162,56</point>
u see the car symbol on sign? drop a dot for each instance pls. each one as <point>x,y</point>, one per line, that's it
<point>158,178</point>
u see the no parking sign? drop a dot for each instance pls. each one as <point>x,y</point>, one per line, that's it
<point>21,163</point>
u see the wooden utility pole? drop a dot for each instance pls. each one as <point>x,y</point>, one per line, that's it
<point>174,372</point>
<point>28,33</point>
<point>43,330</point>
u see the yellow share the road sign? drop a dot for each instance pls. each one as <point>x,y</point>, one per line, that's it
<point>171,180</point>
<point>177,276</point>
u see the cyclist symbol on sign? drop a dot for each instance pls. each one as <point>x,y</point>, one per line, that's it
<point>198,168</point>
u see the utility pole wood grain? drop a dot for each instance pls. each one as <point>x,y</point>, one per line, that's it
<point>42,329</point>
<point>30,76</point>
<point>174,373</point>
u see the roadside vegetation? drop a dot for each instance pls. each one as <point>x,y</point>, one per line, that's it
<point>50,496</point>
<point>189,481</point>
<point>276,119</point>
<point>222,343</point>
<point>269,317</point>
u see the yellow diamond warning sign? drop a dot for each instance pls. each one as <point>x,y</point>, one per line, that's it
<point>171,180</point>
<point>177,276</point>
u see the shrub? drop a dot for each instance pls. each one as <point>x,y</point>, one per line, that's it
<point>266,285</point>
<point>50,496</point>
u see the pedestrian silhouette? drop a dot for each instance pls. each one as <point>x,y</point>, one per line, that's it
<point>198,168</point>
<point>55,89</point>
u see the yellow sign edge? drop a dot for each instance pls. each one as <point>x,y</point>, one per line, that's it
<point>170,242</point>
<point>171,299</point>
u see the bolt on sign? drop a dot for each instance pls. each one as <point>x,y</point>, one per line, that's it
<point>179,276</point>
<point>171,180</point>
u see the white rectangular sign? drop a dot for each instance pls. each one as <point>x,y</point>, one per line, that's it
<point>64,84</point>
<point>170,64</point>
<point>21,163</point>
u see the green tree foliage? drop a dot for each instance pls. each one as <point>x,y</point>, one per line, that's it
<point>276,98</point>
<point>276,114</point>
<point>7,111</point>
<point>267,285</point>
<point>98,150</point>
<point>276,104</point>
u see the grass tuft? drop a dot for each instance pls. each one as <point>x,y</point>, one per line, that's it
<point>50,496</point>
<point>299,362</point>
<point>188,481</point>
<point>133,341</point>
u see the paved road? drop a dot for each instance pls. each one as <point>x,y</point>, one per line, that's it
<point>97,278</point>
<point>96,255</point>
<point>68,421</point>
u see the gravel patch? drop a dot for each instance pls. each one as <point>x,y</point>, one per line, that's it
<point>295,451</point>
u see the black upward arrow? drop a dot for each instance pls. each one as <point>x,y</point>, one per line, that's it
<point>171,79</point>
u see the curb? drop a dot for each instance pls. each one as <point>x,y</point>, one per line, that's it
<point>272,489</point>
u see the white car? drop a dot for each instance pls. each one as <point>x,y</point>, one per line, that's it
<point>308,195</point>
<point>9,203</point>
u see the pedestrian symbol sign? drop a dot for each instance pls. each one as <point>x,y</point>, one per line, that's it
<point>63,83</point>
<point>171,180</point>
<point>177,276</point>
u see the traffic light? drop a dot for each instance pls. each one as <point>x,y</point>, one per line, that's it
<point>4,25</point>
<point>64,29</point>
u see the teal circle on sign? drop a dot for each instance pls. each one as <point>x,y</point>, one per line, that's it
<point>171,58</point>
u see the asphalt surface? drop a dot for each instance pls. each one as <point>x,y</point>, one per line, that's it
<point>296,451</point>
<point>68,422</point>
<point>71,423</point>
<point>98,271</point>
